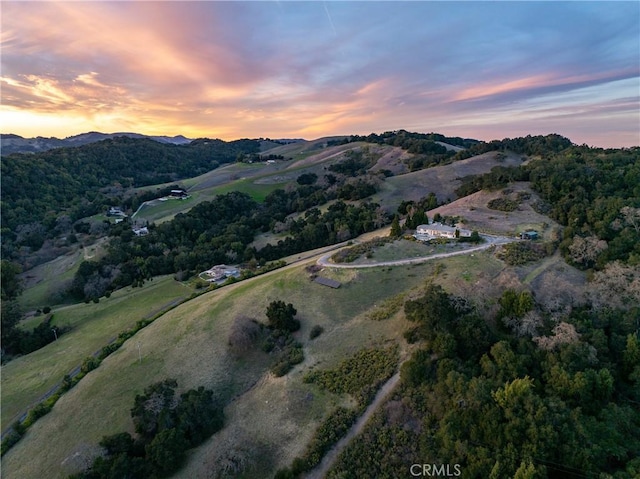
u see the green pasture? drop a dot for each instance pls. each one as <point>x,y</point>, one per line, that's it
<point>27,378</point>
<point>247,185</point>
<point>50,278</point>
<point>45,281</point>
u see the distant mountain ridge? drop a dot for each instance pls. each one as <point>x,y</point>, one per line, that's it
<point>11,143</point>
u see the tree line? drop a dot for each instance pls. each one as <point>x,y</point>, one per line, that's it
<point>220,231</point>
<point>593,192</point>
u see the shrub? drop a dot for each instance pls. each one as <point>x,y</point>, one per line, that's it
<point>367,367</point>
<point>503,204</point>
<point>244,334</point>
<point>36,413</point>
<point>388,308</point>
<point>289,357</point>
<point>9,441</point>
<point>89,364</point>
<point>522,252</point>
<point>332,429</point>
<point>107,350</point>
<point>316,331</point>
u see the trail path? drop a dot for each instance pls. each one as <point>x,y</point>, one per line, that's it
<point>330,457</point>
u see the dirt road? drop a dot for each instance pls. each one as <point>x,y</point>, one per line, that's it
<point>327,461</point>
<point>489,241</point>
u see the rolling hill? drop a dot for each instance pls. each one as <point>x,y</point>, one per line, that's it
<point>525,326</point>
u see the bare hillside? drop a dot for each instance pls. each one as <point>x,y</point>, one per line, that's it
<point>476,214</point>
<point>441,180</point>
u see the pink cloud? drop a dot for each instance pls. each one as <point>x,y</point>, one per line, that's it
<point>255,69</point>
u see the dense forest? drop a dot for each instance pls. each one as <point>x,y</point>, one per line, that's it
<point>496,399</point>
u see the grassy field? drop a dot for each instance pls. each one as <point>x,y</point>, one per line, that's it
<point>26,379</point>
<point>189,343</point>
<point>256,179</point>
<point>404,249</point>
<point>44,281</point>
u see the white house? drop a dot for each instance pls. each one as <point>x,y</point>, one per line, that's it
<point>116,211</point>
<point>220,273</point>
<point>438,230</point>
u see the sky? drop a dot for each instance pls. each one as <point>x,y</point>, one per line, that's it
<point>282,69</point>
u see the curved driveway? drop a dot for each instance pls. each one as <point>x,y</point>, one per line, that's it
<point>489,241</point>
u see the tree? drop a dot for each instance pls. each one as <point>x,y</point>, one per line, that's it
<point>11,314</point>
<point>631,356</point>
<point>166,451</point>
<point>10,281</point>
<point>396,231</point>
<point>281,316</point>
<point>118,443</point>
<point>307,179</point>
<point>416,218</point>
<point>631,217</point>
<point>153,411</point>
<point>585,251</point>
<point>198,415</point>
<point>617,286</point>
<point>433,311</point>
<point>563,333</point>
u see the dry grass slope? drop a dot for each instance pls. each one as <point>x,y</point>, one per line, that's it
<point>190,344</point>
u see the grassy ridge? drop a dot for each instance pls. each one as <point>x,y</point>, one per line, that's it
<point>27,378</point>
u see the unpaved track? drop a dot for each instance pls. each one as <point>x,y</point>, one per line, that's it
<point>330,457</point>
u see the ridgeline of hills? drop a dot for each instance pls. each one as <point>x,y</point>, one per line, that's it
<point>17,144</point>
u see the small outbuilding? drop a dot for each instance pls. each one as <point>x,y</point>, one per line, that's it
<point>179,193</point>
<point>529,235</point>
<point>327,282</point>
